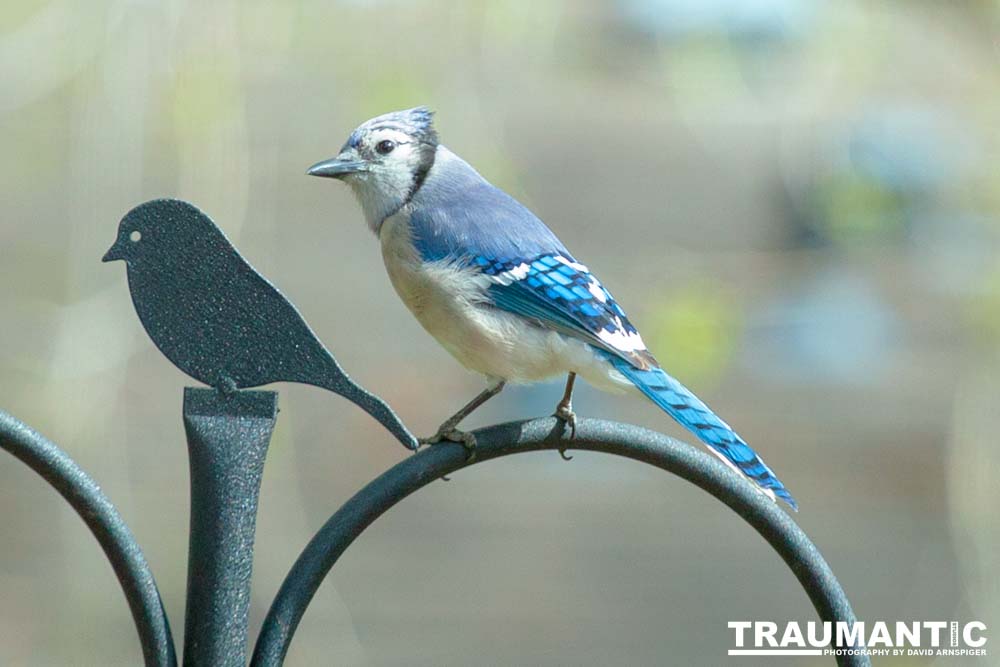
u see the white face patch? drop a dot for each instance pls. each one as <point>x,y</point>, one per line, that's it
<point>401,156</point>
<point>392,135</point>
<point>389,178</point>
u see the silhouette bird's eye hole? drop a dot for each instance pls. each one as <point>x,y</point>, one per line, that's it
<point>385,146</point>
<point>135,236</point>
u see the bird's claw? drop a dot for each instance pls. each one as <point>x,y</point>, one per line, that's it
<point>464,438</point>
<point>566,414</point>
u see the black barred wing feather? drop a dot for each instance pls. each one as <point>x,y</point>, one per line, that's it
<point>557,291</point>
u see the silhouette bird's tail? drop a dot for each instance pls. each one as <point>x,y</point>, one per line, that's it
<point>333,378</point>
<point>675,399</point>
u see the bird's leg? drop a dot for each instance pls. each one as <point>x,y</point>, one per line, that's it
<point>564,411</point>
<point>448,431</point>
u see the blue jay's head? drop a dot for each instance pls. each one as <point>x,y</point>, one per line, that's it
<point>385,160</point>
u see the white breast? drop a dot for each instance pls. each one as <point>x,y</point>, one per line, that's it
<point>449,301</point>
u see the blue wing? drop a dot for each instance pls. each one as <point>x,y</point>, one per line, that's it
<point>460,217</point>
<point>457,215</point>
<point>561,293</point>
<point>557,291</point>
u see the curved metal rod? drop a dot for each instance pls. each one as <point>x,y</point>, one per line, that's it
<point>130,566</point>
<point>632,442</point>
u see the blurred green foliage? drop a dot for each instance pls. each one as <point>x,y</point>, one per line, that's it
<point>855,209</point>
<point>206,94</point>
<point>694,332</point>
<point>983,313</point>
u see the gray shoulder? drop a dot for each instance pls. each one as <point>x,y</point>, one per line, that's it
<point>458,213</point>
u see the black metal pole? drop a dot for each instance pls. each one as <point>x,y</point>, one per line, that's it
<point>633,442</point>
<point>228,435</point>
<point>107,525</point>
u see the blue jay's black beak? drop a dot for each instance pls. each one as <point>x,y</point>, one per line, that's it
<point>337,167</point>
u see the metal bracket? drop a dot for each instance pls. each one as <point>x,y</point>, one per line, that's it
<point>228,436</point>
<point>656,449</point>
<point>104,521</point>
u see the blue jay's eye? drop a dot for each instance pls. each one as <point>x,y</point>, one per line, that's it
<point>385,146</point>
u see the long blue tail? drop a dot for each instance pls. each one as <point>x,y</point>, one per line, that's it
<point>691,413</point>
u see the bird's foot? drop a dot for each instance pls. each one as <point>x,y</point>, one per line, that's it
<point>564,411</point>
<point>452,434</point>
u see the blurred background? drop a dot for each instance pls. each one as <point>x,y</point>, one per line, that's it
<point>797,201</point>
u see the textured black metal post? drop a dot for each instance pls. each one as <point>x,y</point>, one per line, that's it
<point>228,436</point>
<point>424,468</point>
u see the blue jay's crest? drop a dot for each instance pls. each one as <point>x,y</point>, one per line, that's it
<point>416,123</point>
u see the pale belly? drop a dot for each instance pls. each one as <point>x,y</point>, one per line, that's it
<point>449,303</point>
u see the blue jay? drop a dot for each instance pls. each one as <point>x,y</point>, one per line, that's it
<point>499,291</point>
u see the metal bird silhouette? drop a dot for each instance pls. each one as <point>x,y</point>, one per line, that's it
<point>217,319</point>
